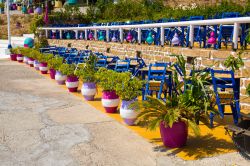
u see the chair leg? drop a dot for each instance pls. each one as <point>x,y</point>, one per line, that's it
<point>235,114</point>
<point>211,119</point>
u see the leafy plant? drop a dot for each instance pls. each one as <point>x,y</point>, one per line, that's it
<point>153,111</point>
<point>248,90</point>
<point>55,62</point>
<point>67,69</point>
<point>44,57</point>
<point>1,5</point>
<point>130,87</point>
<point>234,62</point>
<point>107,79</point>
<point>86,71</point>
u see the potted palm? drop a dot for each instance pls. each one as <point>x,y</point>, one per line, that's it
<point>107,80</point>
<point>72,80</point>
<point>86,72</point>
<point>54,65</point>
<point>128,90</point>
<point>172,118</point>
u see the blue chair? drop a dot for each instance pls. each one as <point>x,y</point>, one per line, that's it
<point>156,81</point>
<point>73,56</point>
<point>101,61</point>
<point>122,65</point>
<point>226,93</point>
<point>226,31</point>
<point>199,32</point>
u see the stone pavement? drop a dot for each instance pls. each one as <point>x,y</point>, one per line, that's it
<point>42,124</point>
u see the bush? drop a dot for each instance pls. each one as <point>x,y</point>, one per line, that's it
<point>67,69</point>
<point>55,62</point>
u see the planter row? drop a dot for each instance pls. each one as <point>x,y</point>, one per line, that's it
<point>172,137</point>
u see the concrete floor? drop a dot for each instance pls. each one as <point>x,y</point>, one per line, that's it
<point>42,124</point>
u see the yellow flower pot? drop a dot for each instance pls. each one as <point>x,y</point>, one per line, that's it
<point>58,4</point>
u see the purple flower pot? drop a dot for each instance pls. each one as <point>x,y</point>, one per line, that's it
<point>43,67</point>
<point>176,136</point>
<point>129,116</point>
<point>36,64</point>
<point>52,73</point>
<point>110,101</point>
<point>88,90</point>
<point>13,57</point>
<point>72,83</point>
<point>60,78</point>
<point>19,58</point>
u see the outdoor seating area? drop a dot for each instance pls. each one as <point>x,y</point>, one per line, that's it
<point>152,32</point>
<point>150,94</point>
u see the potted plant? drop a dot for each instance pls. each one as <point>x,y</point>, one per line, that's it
<point>19,56</point>
<point>54,65</point>
<point>72,80</point>
<point>13,54</point>
<point>25,52</point>
<point>128,90</point>
<point>172,118</point>
<point>107,80</point>
<point>43,59</point>
<point>35,56</point>
<point>31,56</point>
<point>1,8</point>
<point>86,72</point>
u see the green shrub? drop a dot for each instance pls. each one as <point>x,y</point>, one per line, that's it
<point>107,79</point>
<point>67,69</point>
<point>86,71</point>
<point>130,87</point>
<point>44,57</point>
<point>234,63</point>
<point>55,62</point>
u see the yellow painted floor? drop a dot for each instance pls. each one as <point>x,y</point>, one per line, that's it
<point>211,142</point>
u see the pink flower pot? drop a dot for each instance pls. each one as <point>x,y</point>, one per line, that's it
<point>13,57</point>
<point>52,73</point>
<point>43,67</point>
<point>110,101</point>
<point>31,62</point>
<point>88,90</point>
<point>176,136</point>
<point>19,58</point>
<point>25,59</point>
<point>72,83</point>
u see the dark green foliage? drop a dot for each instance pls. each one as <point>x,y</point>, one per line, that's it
<point>248,90</point>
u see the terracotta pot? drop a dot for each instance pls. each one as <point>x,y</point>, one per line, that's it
<point>72,83</point>
<point>176,136</point>
<point>43,67</point>
<point>19,58</point>
<point>129,116</point>
<point>60,78</point>
<point>88,90</point>
<point>52,73</point>
<point>13,57</point>
<point>110,101</point>
<point>31,62</point>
